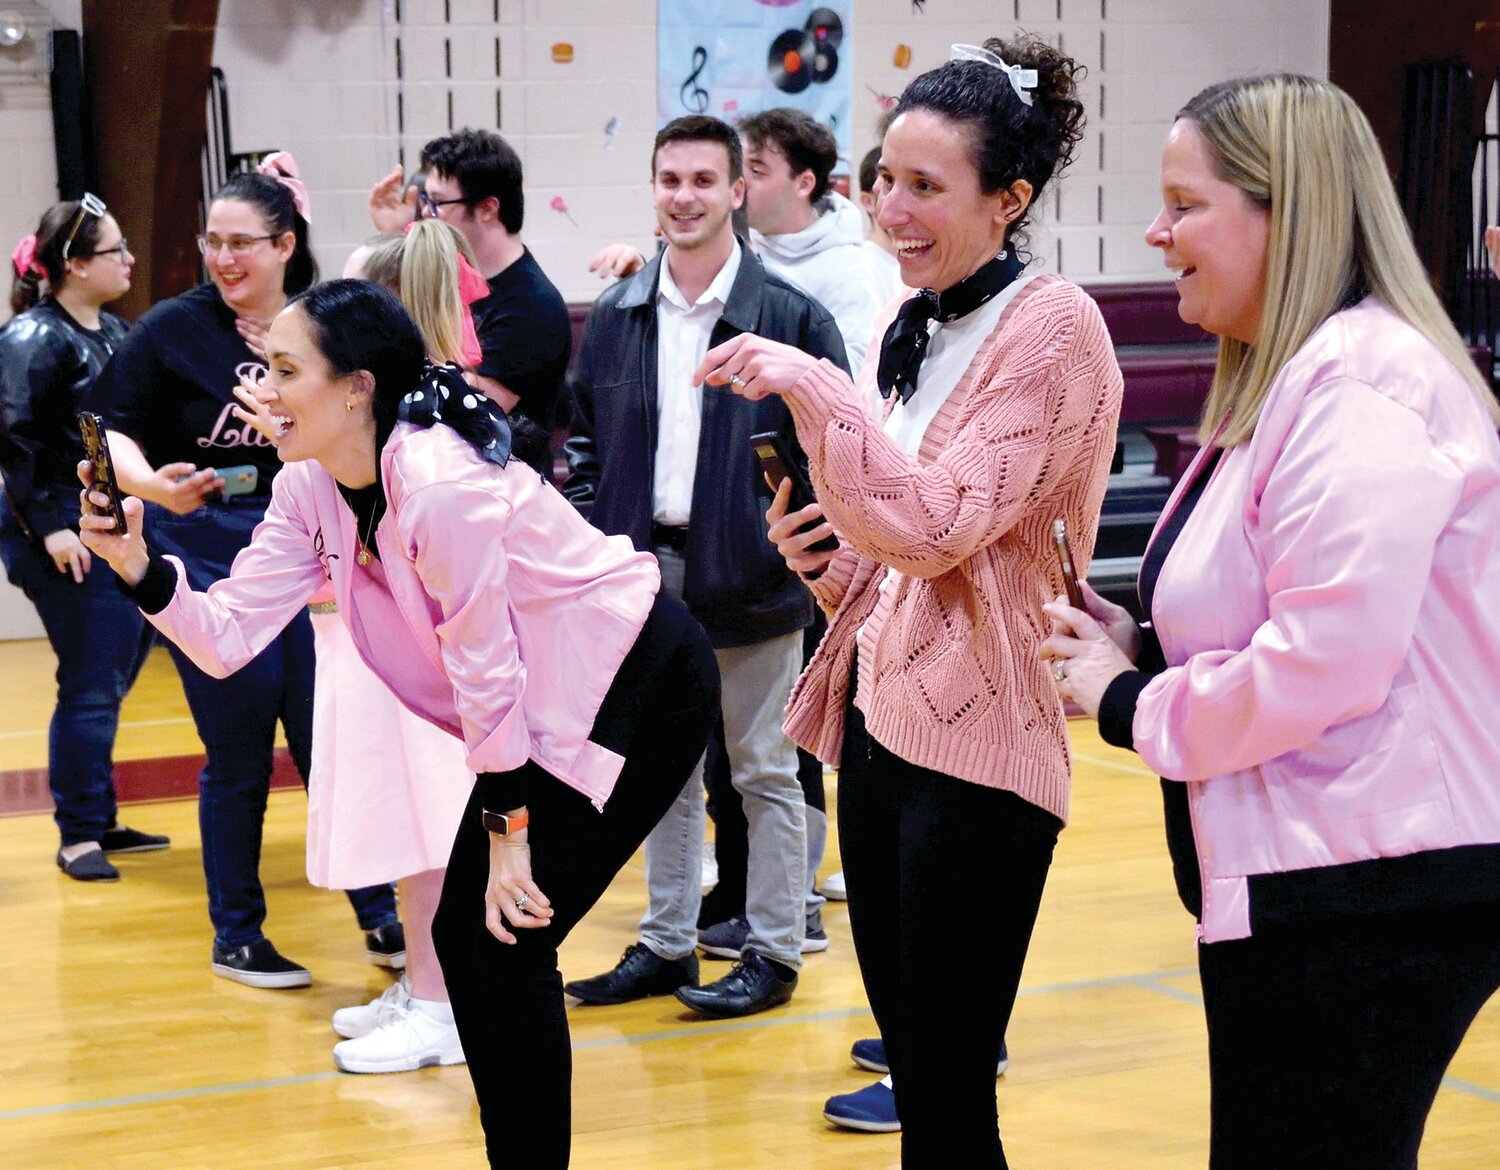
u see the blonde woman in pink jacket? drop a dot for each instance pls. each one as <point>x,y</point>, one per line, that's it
<point>1002,396</point>
<point>478,595</point>
<point>1318,681</point>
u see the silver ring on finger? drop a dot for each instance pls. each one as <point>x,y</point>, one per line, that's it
<point>522,900</point>
<point>1059,669</point>
<point>736,380</point>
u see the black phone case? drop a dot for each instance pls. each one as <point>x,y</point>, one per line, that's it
<point>783,466</point>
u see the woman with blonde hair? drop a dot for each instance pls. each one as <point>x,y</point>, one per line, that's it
<point>1316,684</point>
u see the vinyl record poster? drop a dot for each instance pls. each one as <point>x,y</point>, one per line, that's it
<point>730,58</point>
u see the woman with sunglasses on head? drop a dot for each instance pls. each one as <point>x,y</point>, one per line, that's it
<point>1001,395</point>
<point>167,397</point>
<point>50,354</point>
<point>582,691</point>
<point>1317,681</point>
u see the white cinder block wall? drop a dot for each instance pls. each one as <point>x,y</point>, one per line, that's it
<point>319,77</point>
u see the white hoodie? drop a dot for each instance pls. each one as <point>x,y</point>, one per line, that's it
<point>826,261</point>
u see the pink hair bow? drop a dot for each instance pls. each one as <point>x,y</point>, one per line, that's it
<point>24,258</point>
<point>281,166</point>
<point>472,287</point>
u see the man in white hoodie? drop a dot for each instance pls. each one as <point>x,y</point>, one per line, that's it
<point>802,230</point>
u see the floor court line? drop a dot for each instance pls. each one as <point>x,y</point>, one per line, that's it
<point>1147,982</point>
<point>687,1032</point>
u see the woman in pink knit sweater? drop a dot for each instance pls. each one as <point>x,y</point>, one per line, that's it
<point>927,691</point>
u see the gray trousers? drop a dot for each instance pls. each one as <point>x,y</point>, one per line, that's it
<point>757,682</point>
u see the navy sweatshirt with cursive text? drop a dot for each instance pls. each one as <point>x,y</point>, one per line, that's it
<point>169,386</point>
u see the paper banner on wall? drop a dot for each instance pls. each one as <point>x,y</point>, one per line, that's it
<point>730,58</point>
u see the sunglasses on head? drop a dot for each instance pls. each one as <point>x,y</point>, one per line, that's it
<point>90,204</point>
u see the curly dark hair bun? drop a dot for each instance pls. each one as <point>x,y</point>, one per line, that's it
<point>1011,140</point>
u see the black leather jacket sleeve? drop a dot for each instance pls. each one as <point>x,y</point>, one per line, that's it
<point>37,368</point>
<point>581,450</point>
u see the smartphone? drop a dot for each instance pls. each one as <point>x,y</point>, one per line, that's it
<point>1069,570</point>
<point>96,450</point>
<point>777,464</point>
<point>239,481</point>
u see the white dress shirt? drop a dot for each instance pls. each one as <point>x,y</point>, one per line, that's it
<point>951,348</point>
<point>682,332</point>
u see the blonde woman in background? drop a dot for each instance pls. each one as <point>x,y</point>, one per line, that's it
<point>1317,684</point>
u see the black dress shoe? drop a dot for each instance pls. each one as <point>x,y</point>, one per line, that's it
<point>92,866</point>
<point>123,840</point>
<point>753,984</point>
<point>639,973</point>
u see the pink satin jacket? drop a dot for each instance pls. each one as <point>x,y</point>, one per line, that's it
<point>1330,615</point>
<point>495,611</point>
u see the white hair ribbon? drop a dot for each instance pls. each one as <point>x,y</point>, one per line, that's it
<point>1021,80</point>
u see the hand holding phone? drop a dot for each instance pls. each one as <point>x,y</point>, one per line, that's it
<point>239,481</point>
<point>777,464</point>
<point>101,468</point>
<point>1069,570</point>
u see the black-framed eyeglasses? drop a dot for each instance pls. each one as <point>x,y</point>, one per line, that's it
<point>90,204</point>
<point>238,245</point>
<point>119,249</point>
<point>430,206</point>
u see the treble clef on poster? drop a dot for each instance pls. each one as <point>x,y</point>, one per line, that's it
<point>693,96</point>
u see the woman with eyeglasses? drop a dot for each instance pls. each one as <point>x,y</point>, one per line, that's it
<point>167,397</point>
<point>50,354</point>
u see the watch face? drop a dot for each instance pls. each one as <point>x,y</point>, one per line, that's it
<point>501,824</point>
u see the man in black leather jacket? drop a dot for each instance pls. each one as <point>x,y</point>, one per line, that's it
<point>669,464</point>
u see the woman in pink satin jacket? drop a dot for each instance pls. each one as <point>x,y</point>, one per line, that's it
<point>1319,683</point>
<point>482,599</point>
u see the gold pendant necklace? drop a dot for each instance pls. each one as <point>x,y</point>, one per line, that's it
<point>364,555</point>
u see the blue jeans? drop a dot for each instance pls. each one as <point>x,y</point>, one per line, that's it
<point>236,719</point>
<point>100,640</point>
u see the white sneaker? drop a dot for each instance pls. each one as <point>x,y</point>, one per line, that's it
<point>710,871</point>
<point>407,1039</point>
<point>833,887</point>
<point>354,1022</point>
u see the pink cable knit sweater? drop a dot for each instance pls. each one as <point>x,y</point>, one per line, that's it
<point>954,683</point>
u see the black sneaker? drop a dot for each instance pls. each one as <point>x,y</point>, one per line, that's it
<point>123,840</point>
<point>639,973</point>
<point>385,946</point>
<point>92,866</point>
<point>258,964</point>
<point>816,938</point>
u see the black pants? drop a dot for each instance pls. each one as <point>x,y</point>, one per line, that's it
<point>1327,1041</point>
<point>930,860</point>
<point>508,999</point>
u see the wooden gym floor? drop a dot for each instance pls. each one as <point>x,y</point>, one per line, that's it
<point>118,1049</point>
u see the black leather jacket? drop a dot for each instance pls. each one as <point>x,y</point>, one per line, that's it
<point>48,361</point>
<point>737,585</point>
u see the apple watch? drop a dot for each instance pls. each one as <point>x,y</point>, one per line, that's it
<point>504,824</point>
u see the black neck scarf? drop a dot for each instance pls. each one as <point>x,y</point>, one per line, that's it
<point>905,343</point>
